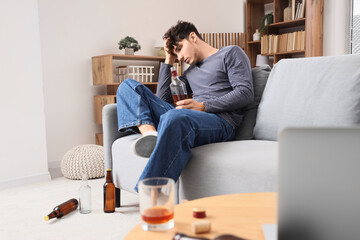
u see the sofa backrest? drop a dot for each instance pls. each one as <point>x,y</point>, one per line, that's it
<point>259,77</point>
<point>317,91</point>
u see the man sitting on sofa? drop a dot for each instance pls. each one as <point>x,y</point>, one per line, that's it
<point>221,83</point>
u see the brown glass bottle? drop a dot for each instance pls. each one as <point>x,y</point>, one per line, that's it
<point>177,87</point>
<point>63,209</point>
<point>109,193</point>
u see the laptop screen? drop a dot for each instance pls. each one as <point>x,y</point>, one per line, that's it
<point>319,184</point>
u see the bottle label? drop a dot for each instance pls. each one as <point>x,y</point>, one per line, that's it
<point>173,73</point>
<point>178,97</point>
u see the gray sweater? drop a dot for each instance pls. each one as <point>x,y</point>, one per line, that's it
<point>222,81</point>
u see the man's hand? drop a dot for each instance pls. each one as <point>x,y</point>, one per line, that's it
<point>190,104</point>
<point>169,56</point>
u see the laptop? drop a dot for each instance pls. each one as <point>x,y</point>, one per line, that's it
<point>319,184</point>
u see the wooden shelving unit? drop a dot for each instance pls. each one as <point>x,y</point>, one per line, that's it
<point>312,24</point>
<point>103,70</point>
<point>102,66</point>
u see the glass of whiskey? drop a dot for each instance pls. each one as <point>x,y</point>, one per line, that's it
<point>157,203</point>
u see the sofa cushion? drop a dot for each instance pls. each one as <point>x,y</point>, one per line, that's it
<point>230,167</point>
<point>259,76</point>
<point>317,91</point>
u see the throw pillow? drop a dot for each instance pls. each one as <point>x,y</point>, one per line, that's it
<point>259,76</point>
<point>311,92</point>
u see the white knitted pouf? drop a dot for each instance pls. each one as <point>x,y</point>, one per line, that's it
<point>83,159</point>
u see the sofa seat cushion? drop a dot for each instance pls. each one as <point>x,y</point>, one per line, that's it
<point>317,91</point>
<point>127,167</point>
<point>230,167</point>
<point>218,168</point>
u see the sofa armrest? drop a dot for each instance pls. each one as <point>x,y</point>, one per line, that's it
<point>110,132</point>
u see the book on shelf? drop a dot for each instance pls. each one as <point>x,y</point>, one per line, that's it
<point>297,9</point>
<point>276,44</point>
<point>293,4</point>
<point>287,42</point>
<point>290,42</point>
<point>302,43</point>
<point>303,9</point>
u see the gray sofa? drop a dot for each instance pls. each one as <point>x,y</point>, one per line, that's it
<point>318,91</point>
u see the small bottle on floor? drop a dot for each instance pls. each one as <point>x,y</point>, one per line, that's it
<point>85,196</point>
<point>109,193</point>
<point>63,209</point>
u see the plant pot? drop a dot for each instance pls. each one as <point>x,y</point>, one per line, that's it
<point>129,51</point>
<point>161,52</point>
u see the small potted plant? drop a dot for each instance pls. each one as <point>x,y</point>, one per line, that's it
<point>130,45</point>
<point>265,21</point>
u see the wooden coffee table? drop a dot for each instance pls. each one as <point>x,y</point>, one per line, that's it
<point>239,214</point>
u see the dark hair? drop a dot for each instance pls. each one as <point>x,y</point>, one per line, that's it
<point>179,32</point>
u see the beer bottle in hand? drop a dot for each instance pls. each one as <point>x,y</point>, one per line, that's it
<point>177,87</point>
<point>109,193</point>
<point>63,209</point>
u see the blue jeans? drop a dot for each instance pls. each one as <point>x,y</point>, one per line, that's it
<point>179,130</point>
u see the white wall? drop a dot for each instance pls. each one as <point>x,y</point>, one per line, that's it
<point>60,80</point>
<point>74,31</point>
<point>22,125</point>
<point>336,27</point>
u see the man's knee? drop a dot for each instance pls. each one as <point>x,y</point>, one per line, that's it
<point>176,118</point>
<point>127,84</point>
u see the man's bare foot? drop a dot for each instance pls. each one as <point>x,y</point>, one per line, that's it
<point>146,128</point>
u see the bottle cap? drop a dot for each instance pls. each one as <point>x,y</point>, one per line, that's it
<point>199,213</point>
<point>109,169</point>
<point>46,218</point>
<point>173,72</point>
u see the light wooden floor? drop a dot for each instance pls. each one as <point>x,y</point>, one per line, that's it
<point>22,211</point>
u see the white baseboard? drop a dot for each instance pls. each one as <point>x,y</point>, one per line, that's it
<point>15,182</point>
